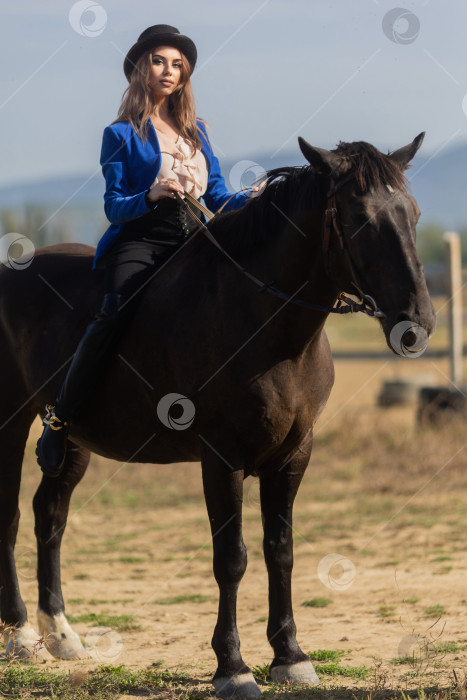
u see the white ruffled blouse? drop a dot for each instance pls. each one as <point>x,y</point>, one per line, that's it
<point>177,162</point>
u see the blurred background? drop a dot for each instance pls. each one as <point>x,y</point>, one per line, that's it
<point>267,72</point>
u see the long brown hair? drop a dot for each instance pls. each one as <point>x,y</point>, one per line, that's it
<point>138,101</point>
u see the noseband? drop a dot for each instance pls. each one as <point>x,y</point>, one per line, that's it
<point>345,304</point>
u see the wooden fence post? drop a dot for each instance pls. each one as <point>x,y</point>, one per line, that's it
<point>454,290</point>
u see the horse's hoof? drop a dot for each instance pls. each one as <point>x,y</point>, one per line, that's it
<point>24,644</point>
<point>60,640</point>
<point>243,685</point>
<point>301,672</point>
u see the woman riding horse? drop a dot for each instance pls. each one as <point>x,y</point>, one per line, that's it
<point>155,148</point>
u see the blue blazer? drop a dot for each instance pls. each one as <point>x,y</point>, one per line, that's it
<point>131,166</point>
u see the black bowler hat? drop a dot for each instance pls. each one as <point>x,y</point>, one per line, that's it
<point>159,35</point>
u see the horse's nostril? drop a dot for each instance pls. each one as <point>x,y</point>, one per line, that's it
<point>409,338</point>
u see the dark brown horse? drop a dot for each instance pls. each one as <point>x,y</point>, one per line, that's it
<point>227,375</point>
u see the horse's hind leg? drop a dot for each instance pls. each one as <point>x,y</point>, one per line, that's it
<point>23,640</point>
<point>278,489</point>
<point>51,504</point>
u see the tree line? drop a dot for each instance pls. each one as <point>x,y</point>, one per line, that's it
<point>32,222</point>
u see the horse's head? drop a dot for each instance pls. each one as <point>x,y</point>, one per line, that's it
<point>369,242</point>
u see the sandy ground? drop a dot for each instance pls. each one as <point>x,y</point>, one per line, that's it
<point>139,535</point>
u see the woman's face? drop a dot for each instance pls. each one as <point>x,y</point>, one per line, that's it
<point>166,68</point>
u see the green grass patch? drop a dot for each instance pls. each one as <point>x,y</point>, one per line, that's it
<point>131,560</point>
<point>122,623</point>
<point>392,562</point>
<point>332,667</point>
<point>19,677</point>
<point>175,600</point>
<point>403,660</point>
<point>104,601</point>
<point>386,611</point>
<point>105,683</point>
<point>450,647</point>
<point>326,654</point>
<point>89,551</point>
<point>20,681</point>
<point>435,611</point>
<point>317,603</point>
<point>335,669</point>
<point>443,571</point>
<point>412,600</point>
<point>261,673</point>
<point>442,558</point>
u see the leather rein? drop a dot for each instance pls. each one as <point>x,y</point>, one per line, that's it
<point>345,304</point>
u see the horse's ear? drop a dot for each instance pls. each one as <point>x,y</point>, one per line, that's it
<point>404,155</point>
<point>323,161</point>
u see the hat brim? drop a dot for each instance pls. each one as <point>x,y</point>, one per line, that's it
<point>178,41</point>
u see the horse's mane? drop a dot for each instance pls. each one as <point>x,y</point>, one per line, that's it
<point>372,168</point>
<point>245,230</point>
<point>291,188</point>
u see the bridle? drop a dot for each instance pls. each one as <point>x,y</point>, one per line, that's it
<point>344,304</point>
<point>331,224</point>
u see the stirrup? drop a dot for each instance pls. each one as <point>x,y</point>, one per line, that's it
<point>50,419</point>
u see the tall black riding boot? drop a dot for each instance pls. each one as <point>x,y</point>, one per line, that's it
<point>80,381</point>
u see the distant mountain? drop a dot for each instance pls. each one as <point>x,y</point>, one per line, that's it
<point>438,182</point>
<point>76,202</point>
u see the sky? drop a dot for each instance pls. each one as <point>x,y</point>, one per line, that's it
<point>268,71</point>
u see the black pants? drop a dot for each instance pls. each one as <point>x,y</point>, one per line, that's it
<point>131,264</point>
<point>143,247</point>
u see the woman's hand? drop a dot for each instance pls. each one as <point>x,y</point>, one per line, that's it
<point>164,188</point>
<point>257,190</point>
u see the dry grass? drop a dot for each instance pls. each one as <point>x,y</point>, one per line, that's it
<point>381,492</point>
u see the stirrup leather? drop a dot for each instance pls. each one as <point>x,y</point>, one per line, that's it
<point>50,419</point>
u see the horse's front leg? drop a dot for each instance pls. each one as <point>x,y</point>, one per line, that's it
<point>223,489</point>
<point>278,489</point>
